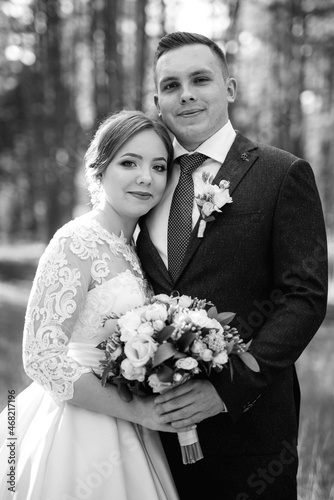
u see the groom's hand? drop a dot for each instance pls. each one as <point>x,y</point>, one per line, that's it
<point>188,403</point>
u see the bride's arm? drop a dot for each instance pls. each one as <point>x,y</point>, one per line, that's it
<point>89,394</point>
<point>62,281</point>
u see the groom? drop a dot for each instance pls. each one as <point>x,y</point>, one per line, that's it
<point>263,257</point>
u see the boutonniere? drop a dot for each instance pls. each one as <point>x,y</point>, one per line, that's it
<point>211,200</point>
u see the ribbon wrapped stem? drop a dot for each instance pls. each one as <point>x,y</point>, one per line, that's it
<point>190,446</point>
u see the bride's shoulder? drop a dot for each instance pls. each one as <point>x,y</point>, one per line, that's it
<point>80,236</point>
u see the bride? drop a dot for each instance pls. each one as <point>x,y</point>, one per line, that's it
<point>75,439</point>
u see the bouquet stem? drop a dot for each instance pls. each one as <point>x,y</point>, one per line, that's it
<point>190,446</point>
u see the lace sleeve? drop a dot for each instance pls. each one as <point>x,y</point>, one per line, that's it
<point>59,290</point>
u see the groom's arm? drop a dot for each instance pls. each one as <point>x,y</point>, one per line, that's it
<point>300,286</point>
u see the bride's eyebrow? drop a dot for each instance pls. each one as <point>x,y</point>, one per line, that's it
<point>132,154</point>
<point>160,158</point>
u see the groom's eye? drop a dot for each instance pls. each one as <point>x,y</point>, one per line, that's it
<point>170,86</point>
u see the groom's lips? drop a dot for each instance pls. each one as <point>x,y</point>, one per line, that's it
<point>190,112</point>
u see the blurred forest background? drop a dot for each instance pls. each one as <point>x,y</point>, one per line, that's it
<point>67,64</point>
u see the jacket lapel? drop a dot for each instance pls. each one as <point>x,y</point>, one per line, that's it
<point>239,160</point>
<point>154,254</point>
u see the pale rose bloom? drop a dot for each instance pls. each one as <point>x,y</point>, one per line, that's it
<point>224,184</point>
<point>131,372</point>
<point>221,358</point>
<point>140,349</point>
<point>211,189</point>
<point>221,198</point>
<point>166,299</point>
<point>207,208</point>
<point>214,323</point>
<point>181,318</point>
<point>200,318</point>
<point>185,301</point>
<point>129,324</point>
<point>158,325</point>
<point>156,311</point>
<point>156,384</point>
<point>197,346</point>
<point>206,355</point>
<point>186,363</point>
<point>146,328</point>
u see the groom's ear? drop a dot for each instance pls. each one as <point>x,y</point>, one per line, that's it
<point>156,102</point>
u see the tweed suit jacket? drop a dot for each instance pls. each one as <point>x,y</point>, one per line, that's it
<point>264,257</point>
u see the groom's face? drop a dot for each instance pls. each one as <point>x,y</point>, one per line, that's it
<point>192,93</point>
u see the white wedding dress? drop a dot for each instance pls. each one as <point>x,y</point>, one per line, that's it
<point>64,452</point>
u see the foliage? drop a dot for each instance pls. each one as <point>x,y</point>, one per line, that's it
<point>65,64</point>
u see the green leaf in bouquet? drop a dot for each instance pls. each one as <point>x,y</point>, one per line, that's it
<point>212,312</point>
<point>165,333</point>
<point>123,390</point>
<point>231,370</point>
<point>164,352</point>
<point>106,373</point>
<point>225,318</point>
<point>229,347</point>
<point>186,340</point>
<point>249,361</point>
<point>102,345</point>
<point>246,346</point>
<point>165,373</point>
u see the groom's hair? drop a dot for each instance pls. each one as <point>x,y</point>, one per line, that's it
<point>180,39</point>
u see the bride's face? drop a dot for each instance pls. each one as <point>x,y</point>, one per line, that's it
<point>135,179</point>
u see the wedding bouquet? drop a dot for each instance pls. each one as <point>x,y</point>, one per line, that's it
<point>166,342</point>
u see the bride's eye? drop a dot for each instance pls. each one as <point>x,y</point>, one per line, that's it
<point>128,163</point>
<point>160,168</point>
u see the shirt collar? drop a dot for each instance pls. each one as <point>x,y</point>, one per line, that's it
<point>216,147</point>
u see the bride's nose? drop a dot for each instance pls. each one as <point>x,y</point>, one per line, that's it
<point>144,176</point>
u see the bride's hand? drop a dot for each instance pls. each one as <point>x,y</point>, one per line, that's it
<point>149,418</point>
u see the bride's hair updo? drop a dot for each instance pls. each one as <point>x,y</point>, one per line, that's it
<point>111,135</point>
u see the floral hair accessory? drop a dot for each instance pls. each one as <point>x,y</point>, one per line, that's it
<point>211,200</point>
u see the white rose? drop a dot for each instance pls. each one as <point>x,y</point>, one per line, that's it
<point>181,318</point>
<point>156,384</point>
<point>185,301</point>
<point>131,372</point>
<point>221,358</point>
<point>156,311</point>
<point>197,346</point>
<point>129,324</point>
<point>224,184</point>
<point>200,318</point>
<point>140,349</point>
<point>207,208</point>
<point>186,363</point>
<point>206,355</point>
<point>222,197</point>
<point>166,299</point>
<point>146,329</point>
<point>158,325</point>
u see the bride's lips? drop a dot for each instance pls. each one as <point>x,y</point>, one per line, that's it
<point>141,195</point>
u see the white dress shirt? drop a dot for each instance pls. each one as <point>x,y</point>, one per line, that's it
<point>216,148</point>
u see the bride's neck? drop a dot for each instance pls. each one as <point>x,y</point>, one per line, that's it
<point>113,222</point>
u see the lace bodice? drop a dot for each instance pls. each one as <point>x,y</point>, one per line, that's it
<point>84,274</point>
